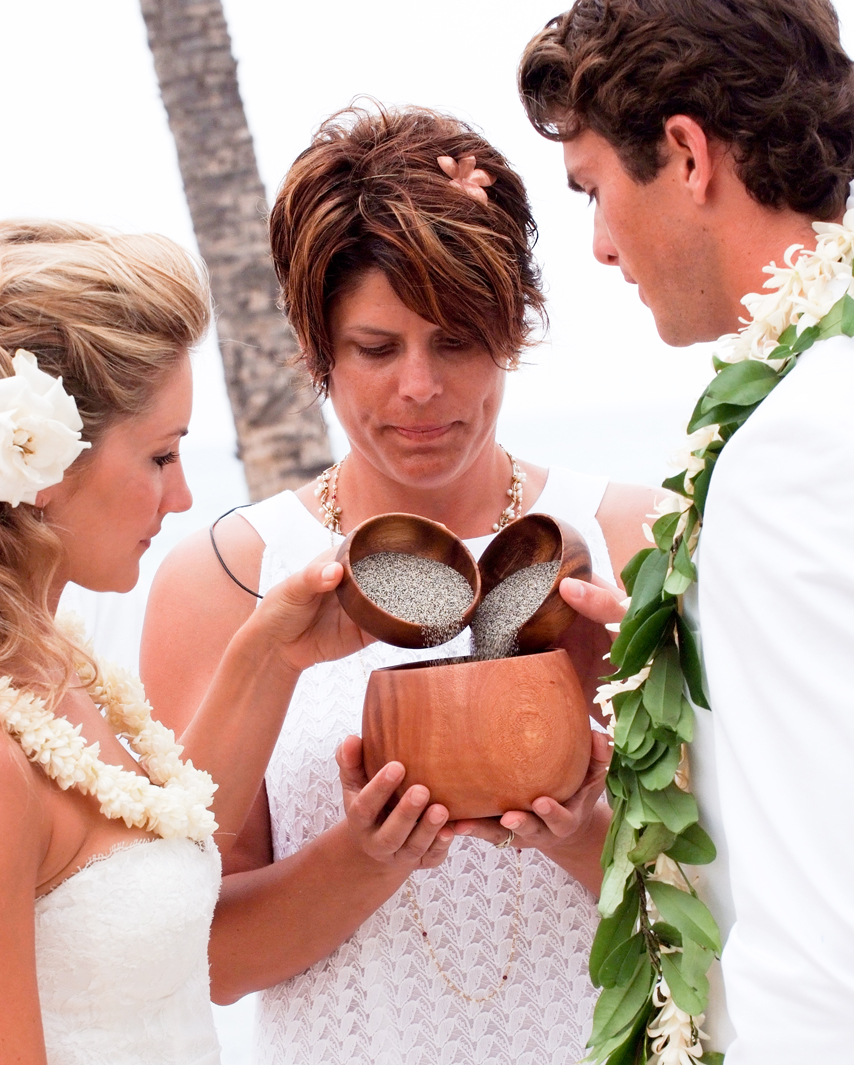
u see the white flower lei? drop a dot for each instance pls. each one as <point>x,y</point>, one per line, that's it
<point>173,803</point>
<point>811,298</point>
<point>40,430</point>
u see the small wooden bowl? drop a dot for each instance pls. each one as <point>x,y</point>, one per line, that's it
<point>527,541</point>
<point>411,535</point>
<point>484,737</point>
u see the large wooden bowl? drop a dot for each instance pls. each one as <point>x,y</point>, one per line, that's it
<point>484,737</point>
<point>411,535</point>
<point>526,541</point>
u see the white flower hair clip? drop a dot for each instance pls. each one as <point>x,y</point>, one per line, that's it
<point>464,176</point>
<point>40,431</point>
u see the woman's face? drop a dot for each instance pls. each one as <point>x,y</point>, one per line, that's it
<point>419,405</point>
<point>107,511</point>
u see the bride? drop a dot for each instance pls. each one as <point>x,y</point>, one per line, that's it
<point>108,869</point>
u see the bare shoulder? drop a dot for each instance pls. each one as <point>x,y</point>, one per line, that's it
<point>624,510</point>
<point>193,611</point>
<point>24,827</point>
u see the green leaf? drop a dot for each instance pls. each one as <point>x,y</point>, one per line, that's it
<point>630,570</point>
<point>638,736</point>
<point>677,583</point>
<point>788,336</point>
<point>644,758</point>
<point>626,705</point>
<point>702,482</point>
<point>712,1057</point>
<point>692,666</point>
<point>694,846</point>
<point>667,934</point>
<point>618,872</point>
<point>653,840</point>
<point>649,581</point>
<point>839,320</point>
<point>806,339</point>
<point>694,964</point>
<point>619,1006</point>
<point>662,690</point>
<point>687,913</point>
<point>633,1049</point>
<point>741,384</point>
<point>682,559</point>
<point>619,807</point>
<point>660,774</point>
<point>630,626</point>
<point>675,483</point>
<point>644,642</point>
<point>686,997</point>
<point>685,725</point>
<point>665,529</point>
<point>675,808</point>
<point>613,931</point>
<point>618,967</point>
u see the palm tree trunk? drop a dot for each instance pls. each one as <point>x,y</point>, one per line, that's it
<point>281,434</point>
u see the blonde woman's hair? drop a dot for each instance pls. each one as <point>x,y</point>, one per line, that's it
<point>112,314</point>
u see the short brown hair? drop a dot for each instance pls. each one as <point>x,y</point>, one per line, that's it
<point>369,194</point>
<point>769,78</point>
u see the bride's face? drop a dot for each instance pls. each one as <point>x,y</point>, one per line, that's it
<point>419,405</point>
<point>107,511</point>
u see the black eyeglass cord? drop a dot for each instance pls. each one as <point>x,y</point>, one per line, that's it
<point>240,584</point>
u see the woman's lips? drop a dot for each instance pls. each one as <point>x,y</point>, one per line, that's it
<point>422,432</point>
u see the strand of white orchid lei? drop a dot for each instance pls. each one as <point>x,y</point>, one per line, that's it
<point>173,803</point>
<point>810,299</point>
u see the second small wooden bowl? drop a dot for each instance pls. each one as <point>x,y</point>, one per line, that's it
<point>527,541</point>
<point>406,534</point>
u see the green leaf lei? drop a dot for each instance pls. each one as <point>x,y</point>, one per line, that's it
<point>656,940</point>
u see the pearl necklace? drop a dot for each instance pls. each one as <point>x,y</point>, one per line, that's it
<point>173,803</point>
<point>327,496</point>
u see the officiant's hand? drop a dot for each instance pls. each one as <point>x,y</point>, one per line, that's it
<point>306,619</point>
<point>413,835</point>
<point>570,833</point>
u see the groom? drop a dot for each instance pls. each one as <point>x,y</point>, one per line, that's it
<point>710,134</point>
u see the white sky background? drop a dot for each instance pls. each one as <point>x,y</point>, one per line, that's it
<point>86,138</point>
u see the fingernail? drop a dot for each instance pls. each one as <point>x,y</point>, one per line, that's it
<point>576,588</point>
<point>464,831</point>
<point>418,795</point>
<point>435,815</point>
<point>445,836</point>
<point>394,772</point>
<point>512,824</point>
<point>541,806</point>
<point>330,571</point>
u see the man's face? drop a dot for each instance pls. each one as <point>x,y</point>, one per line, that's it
<point>657,237</point>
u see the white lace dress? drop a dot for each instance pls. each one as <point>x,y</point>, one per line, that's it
<point>121,955</point>
<point>379,999</point>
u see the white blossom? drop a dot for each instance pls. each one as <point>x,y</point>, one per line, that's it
<point>674,1033</point>
<point>40,431</point>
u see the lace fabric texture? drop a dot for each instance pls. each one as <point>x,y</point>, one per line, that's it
<point>379,999</point>
<point>121,953</point>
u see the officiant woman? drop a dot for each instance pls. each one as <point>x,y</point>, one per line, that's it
<point>403,243</point>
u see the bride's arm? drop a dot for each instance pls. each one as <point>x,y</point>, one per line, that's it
<point>274,919</point>
<point>22,841</point>
<point>221,673</point>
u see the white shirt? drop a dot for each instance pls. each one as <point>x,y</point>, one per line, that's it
<point>776,609</point>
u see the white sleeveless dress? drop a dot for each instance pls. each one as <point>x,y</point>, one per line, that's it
<point>379,999</point>
<point>122,962</point>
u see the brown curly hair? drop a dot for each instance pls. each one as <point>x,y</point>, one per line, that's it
<point>368,193</point>
<point>769,78</point>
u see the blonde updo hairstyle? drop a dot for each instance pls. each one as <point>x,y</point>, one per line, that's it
<point>112,315</point>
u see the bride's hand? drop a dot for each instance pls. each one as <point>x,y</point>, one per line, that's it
<point>413,835</point>
<point>305,618</point>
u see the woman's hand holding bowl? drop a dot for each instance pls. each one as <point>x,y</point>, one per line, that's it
<point>306,621</point>
<point>412,835</point>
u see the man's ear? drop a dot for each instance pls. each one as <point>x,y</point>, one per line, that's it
<point>687,141</point>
